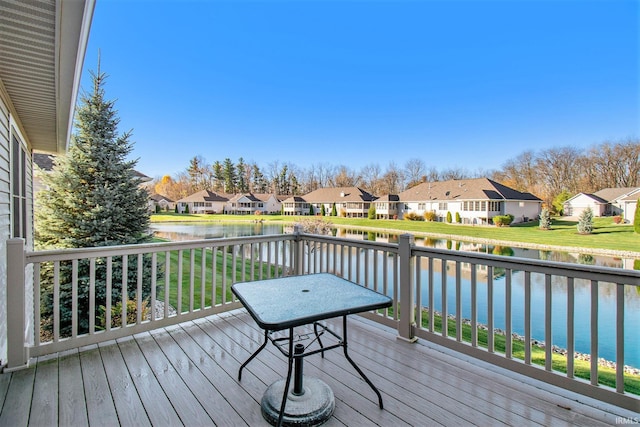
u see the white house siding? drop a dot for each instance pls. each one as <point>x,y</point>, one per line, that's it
<point>629,210</point>
<point>8,127</point>
<point>522,210</point>
<point>5,223</point>
<point>581,202</point>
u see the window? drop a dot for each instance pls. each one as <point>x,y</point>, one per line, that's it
<point>443,206</point>
<point>18,188</point>
<point>421,206</point>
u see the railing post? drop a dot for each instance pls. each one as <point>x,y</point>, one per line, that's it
<point>17,354</point>
<point>297,252</point>
<point>406,315</point>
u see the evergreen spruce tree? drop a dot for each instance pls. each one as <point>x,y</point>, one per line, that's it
<point>334,211</point>
<point>92,198</point>
<point>323,211</point>
<point>371,214</point>
<point>545,219</point>
<point>585,221</point>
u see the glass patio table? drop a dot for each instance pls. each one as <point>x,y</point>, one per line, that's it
<point>296,301</point>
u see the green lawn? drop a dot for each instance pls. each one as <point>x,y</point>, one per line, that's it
<point>234,274</point>
<point>563,233</point>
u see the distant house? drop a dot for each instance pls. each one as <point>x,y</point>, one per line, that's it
<point>205,201</point>
<point>605,202</point>
<point>295,205</point>
<point>629,205</point>
<point>249,203</point>
<point>476,200</point>
<point>387,207</point>
<point>163,202</point>
<point>352,202</point>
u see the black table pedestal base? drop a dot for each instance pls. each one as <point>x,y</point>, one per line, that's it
<point>311,408</point>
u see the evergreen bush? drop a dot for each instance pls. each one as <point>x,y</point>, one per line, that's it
<point>372,211</point>
<point>585,221</point>
<point>458,219</point>
<point>92,197</point>
<point>636,218</point>
<point>449,217</point>
<point>545,219</point>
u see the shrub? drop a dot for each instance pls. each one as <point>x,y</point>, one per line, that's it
<point>411,216</point>
<point>430,216</point>
<point>617,219</point>
<point>372,211</point>
<point>186,209</point>
<point>458,219</point>
<point>449,217</point>
<point>585,221</point>
<point>323,211</point>
<point>116,314</point>
<point>500,220</point>
<point>545,219</point>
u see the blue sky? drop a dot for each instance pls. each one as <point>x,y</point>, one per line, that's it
<point>458,84</point>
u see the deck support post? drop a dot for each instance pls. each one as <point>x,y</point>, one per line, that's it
<point>17,354</point>
<point>407,304</point>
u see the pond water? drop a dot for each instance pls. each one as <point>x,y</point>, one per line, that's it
<point>606,301</point>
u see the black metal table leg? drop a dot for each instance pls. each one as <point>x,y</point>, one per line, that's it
<point>255,353</point>
<point>346,354</point>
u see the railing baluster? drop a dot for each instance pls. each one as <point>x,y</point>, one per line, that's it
<point>508,328</point>
<point>490,327</point>
<point>547,323</point>
<point>620,338</point>
<point>594,332</point>
<point>179,284</point>
<point>154,277</point>
<point>203,277</point>
<point>140,276</point>
<point>74,298</point>
<point>443,290</point>
<point>570,326</point>
<point>56,301</point>
<point>474,306</point>
<point>167,282</point>
<point>192,277</point>
<point>418,282</point>
<point>224,273</point>
<point>125,292</point>
<point>36,303</point>
<point>527,317</point>
<point>214,275</point>
<point>92,295</point>
<point>109,291</point>
<point>458,301</point>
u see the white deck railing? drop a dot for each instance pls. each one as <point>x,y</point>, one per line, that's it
<point>195,278</point>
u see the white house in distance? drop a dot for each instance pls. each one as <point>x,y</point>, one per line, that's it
<point>476,200</point>
<point>203,202</point>
<point>251,204</point>
<point>605,202</point>
<point>40,69</point>
<point>352,202</point>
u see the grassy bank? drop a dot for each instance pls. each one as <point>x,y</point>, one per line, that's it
<point>607,235</point>
<point>582,368</point>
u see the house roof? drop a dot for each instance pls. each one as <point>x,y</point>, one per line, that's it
<point>296,199</point>
<point>464,189</point>
<point>204,196</point>
<point>42,48</point>
<point>593,197</point>
<point>46,162</point>
<point>338,194</point>
<point>610,194</point>
<point>160,197</point>
<point>388,198</point>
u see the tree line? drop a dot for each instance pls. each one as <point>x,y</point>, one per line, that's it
<point>554,174</point>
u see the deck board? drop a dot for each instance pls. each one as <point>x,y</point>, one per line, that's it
<point>187,375</point>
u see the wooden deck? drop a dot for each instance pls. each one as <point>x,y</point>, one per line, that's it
<point>187,375</point>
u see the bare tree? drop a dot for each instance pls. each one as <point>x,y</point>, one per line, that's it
<point>392,180</point>
<point>414,172</point>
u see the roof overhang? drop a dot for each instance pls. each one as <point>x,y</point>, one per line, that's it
<point>42,48</point>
